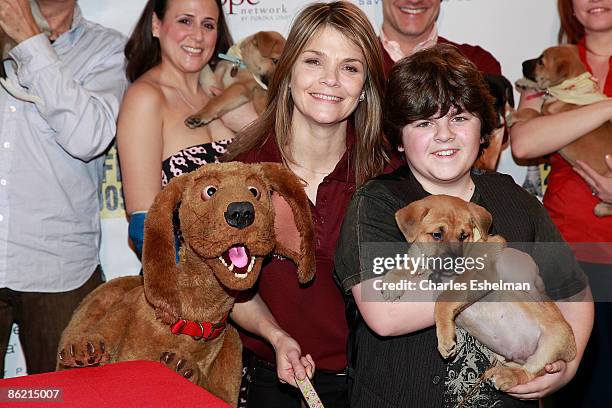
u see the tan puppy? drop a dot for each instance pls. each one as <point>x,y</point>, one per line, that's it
<point>244,78</point>
<point>524,331</point>
<point>6,44</point>
<point>549,71</point>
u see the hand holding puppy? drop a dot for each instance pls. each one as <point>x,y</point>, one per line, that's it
<point>16,20</point>
<point>600,185</point>
<point>557,375</point>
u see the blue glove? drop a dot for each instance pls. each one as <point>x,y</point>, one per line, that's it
<point>136,230</point>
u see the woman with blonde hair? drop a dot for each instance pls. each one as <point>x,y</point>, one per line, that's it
<point>323,122</point>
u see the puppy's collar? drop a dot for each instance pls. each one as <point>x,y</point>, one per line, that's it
<point>582,90</point>
<point>206,331</point>
<point>234,55</point>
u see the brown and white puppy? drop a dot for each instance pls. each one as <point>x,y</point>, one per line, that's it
<point>243,79</point>
<point>438,226</point>
<point>554,66</point>
<point>523,330</point>
<point>7,44</point>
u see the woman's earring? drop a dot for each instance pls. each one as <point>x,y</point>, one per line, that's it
<point>362,96</point>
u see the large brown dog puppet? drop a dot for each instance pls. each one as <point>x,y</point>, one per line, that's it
<point>243,75</point>
<point>231,216</point>
<point>522,329</point>
<point>561,75</point>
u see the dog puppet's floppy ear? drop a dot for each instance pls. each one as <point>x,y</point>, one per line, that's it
<point>481,219</point>
<point>159,252</point>
<point>292,221</point>
<point>409,218</point>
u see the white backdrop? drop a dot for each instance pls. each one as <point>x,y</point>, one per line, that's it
<point>511,30</point>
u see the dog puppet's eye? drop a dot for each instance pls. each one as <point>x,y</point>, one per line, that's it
<point>463,236</point>
<point>275,61</point>
<point>208,192</point>
<point>437,236</point>
<point>254,191</point>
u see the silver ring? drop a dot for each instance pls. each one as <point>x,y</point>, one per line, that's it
<point>201,328</point>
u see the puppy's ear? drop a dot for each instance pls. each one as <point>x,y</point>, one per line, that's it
<point>159,253</point>
<point>409,219</point>
<point>266,43</point>
<point>292,220</point>
<point>481,219</point>
<point>562,71</point>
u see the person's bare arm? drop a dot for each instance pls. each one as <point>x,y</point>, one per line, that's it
<point>255,317</point>
<point>139,143</point>
<point>547,134</point>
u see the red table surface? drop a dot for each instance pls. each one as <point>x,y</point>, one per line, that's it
<point>132,384</point>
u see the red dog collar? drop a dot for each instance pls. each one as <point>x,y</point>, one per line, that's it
<point>536,95</point>
<point>199,331</point>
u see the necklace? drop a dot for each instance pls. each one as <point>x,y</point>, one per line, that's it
<point>193,108</point>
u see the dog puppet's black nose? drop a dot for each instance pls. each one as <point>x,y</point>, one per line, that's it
<point>240,215</point>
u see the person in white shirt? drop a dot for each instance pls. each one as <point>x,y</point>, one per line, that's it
<point>51,158</point>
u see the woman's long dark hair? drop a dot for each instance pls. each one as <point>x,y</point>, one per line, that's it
<point>571,30</point>
<point>143,51</point>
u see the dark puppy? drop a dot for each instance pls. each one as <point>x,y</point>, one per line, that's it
<point>501,89</point>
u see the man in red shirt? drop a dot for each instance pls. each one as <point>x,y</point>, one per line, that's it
<point>410,25</point>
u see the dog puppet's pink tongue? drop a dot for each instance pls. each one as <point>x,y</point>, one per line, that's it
<point>238,256</point>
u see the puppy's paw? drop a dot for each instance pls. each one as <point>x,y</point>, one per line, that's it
<point>447,346</point>
<point>447,349</point>
<point>501,379</point>
<point>85,351</point>
<point>522,115</point>
<point>391,295</point>
<point>603,209</point>
<point>182,366</point>
<point>391,283</point>
<point>196,121</point>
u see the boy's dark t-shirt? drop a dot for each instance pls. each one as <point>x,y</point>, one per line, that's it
<point>408,370</point>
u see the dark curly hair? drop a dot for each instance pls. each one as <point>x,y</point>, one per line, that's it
<point>431,82</point>
<point>143,51</point>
